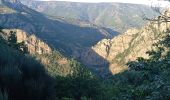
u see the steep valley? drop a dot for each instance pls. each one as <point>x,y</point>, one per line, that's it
<point>68,38</point>
<point>74,38</point>
<point>55,63</point>
<point>46,56</point>
<point>127,46</point>
<point>58,33</point>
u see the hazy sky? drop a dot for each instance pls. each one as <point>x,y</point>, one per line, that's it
<point>146,2</point>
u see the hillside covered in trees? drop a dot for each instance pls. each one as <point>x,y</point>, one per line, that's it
<point>30,69</point>
<point>114,16</point>
<point>24,77</point>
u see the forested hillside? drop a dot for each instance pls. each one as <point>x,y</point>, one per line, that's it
<point>33,66</point>
<point>146,78</point>
<point>22,77</point>
<point>61,35</point>
<point>115,16</point>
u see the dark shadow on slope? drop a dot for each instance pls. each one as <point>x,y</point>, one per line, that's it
<point>22,77</point>
<point>111,31</point>
<point>53,32</point>
<point>66,38</point>
<point>95,62</point>
<point>61,35</point>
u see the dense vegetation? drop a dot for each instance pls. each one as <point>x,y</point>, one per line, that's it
<point>21,77</point>
<point>146,78</point>
<point>24,78</point>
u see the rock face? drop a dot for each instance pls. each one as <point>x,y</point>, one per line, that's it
<point>127,46</point>
<point>63,35</point>
<point>35,45</point>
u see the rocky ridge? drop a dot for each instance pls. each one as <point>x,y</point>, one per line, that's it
<point>35,45</point>
<point>126,46</point>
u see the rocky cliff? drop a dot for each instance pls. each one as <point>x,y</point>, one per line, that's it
<point>35,45</point>
<point>126,46</point>
<point>54,62</point>
<point>63,35</point>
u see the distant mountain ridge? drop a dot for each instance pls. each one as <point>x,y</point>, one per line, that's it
<point>60,34</point>
<point>65,36</point>
<point>116,16</point>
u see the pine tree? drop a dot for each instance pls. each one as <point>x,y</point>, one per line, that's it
<point>12,42</point>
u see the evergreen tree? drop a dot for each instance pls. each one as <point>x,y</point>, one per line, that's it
<point>12,42</point>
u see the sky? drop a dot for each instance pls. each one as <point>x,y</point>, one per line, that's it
<point>145,2</point>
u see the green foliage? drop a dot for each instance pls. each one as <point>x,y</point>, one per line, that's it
<point>12,38</point>
<point>22,77</point>
<point>12,42</point>
<point>147,78</point>
<point>79,85</point>
<point>52,64</point>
